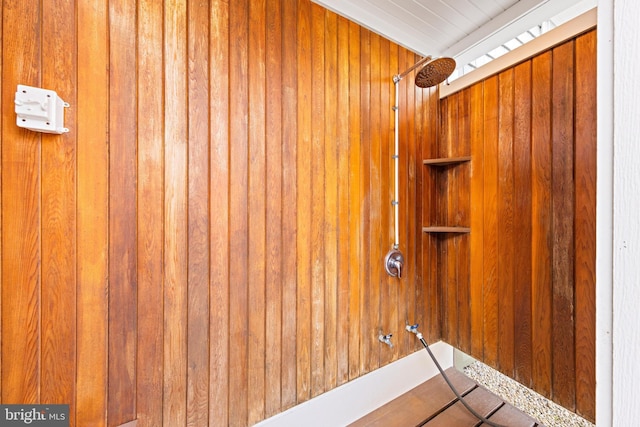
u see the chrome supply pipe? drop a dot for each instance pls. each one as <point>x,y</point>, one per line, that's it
<point>396,156</point>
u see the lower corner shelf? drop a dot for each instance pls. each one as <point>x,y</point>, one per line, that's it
<point>446,229</point>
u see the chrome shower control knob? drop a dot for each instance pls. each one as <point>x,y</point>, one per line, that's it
<point>394,263</point>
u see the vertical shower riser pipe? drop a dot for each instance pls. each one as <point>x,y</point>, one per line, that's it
<point>396,201</point>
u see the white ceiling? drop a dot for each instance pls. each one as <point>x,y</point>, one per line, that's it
<point>462,29</point>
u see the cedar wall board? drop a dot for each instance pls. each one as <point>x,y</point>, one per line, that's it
<point>205,246</point>
<point>518,291</point>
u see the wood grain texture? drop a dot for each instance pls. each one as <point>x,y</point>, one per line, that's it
<point>367,329</point>
<point>219,208</point>
<point>585,228</point>
<point>563,205</point>
<point>356,197</point>
<point>343,217</point>
<point>531,192</point>
<point>123,280</point>
<point>224,203</point>
<point>375,206</point>
<point>436,310</point>
<point>541,218</point>
<point>274,208</point>
<point>238,213</point>
<point>491,224</point>
<point>462,217</point>
<point>388,285</point>
<point>506,243</point>
<point>476,222</point>
<point>522,222</point>
<point>303,202</point>
<point>92,219</point>
<point>176,238</point>
<point>150,213</point>
<point>198,228</point>
<point>59,162</point>
<point>330,242</point>
<point>257,201</point>
<point>411,198</point>
<point>318,258</point>
<point>447,190</point>
<point>289,206</point>
<point>22,208</point>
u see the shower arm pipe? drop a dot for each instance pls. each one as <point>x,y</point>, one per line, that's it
<point>401,76</point>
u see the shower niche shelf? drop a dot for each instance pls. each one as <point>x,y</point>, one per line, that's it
<point>446,171</point>
<point>446,161</point>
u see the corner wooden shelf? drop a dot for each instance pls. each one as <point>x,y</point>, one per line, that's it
<point>440,164</point>
<point>446,229</point>
<point>446,161</point>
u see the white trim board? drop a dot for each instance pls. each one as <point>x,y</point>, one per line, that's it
<point>353,400</point>
<point>576,26</point>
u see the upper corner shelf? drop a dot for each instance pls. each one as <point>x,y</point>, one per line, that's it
<point>450,230</point>
<point>445,161</point>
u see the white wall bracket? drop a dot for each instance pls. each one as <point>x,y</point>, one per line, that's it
<point>40,110</point>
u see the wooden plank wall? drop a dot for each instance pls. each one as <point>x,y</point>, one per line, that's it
<point>206,244</point>
<point>518,292</point>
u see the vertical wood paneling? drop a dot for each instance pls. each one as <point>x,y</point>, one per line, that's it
<point>490,225</point>
<point>238,213</point>
<point>388,285</point>
<point>355,227</point>
<point>21,211</point>
<point>462,217</point>
<point>274,208</point>
<point>476,187</point>
<point>317,202</point>
<point>343,219</point>
<point>175,214</point>
<point>92,227</point>
<point>257,211</point>
<point>58,291</point>
<point>122,213</point>
<point>289,205</point>
<point>410,198</point>
<point>562,194</point>
<point>317,242</point>
<point>213,226</point>
<point>198,214</point>
<point>541,217</point>
<point>219,208</point>
<point>366,325</point>
<point>375,205</point>
<point>434,304</point>
<point>150,213</point>
<point>303,202</point>
<point>522,222</point>
<point>532,178</point>
<point>410,232</point>
<point>330,200</point>
<point>585,227</point>
<point>505,220</point>
<point>448,187</point>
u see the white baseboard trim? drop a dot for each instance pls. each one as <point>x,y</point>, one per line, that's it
<point>351,401</point>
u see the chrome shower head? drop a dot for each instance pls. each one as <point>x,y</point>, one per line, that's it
<point>435,71</point>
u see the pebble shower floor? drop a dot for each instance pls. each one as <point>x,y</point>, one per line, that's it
<point>528,401</point>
